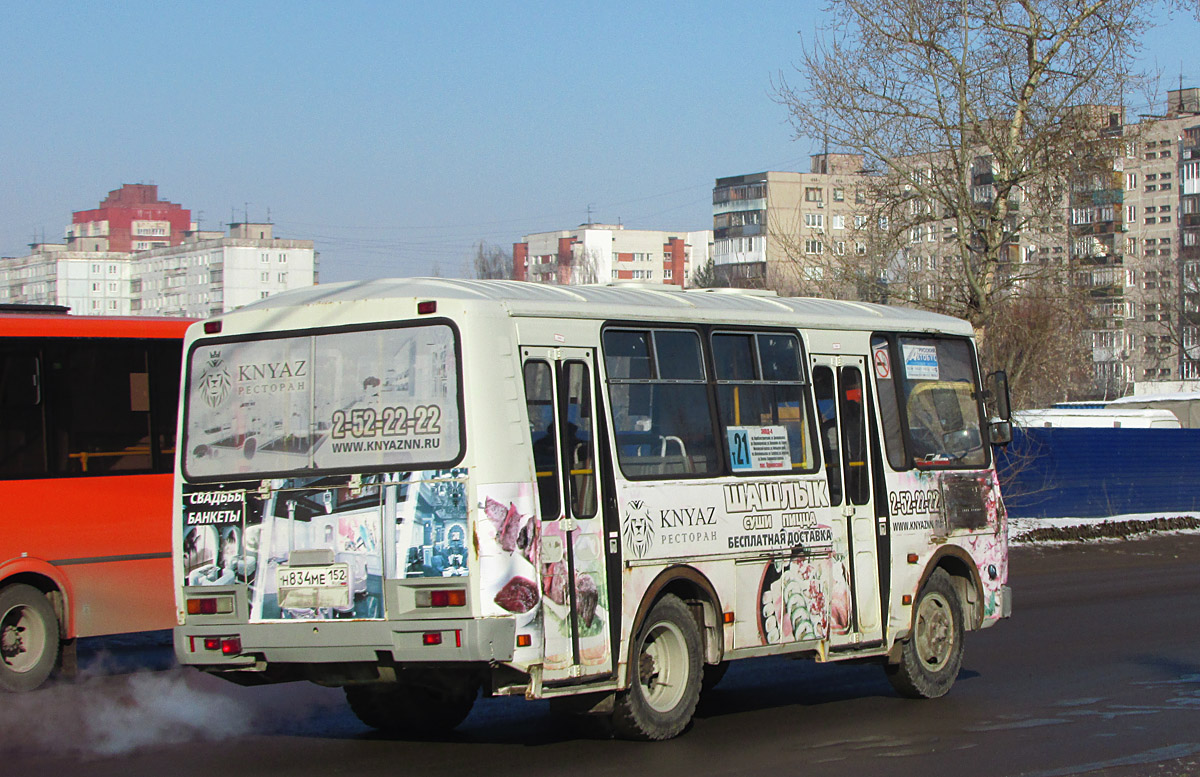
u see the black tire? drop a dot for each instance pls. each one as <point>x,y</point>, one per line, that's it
<point>932,656</point>
<point>665,675</point>
<point>409,708</point>
<point>29,642</point>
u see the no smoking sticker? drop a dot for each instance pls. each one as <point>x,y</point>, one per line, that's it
<point>883,367</point>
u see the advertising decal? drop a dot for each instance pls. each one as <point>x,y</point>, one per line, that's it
<point>723,518</point>
<point>317,548</point>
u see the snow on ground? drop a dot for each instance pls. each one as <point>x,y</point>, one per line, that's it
<point>1026,531</point>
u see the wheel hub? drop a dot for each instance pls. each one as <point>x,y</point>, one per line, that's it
<point>935,637</point>
<point>646,669</point>
<point>10,641</point>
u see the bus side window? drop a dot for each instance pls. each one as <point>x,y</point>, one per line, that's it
<point>659,400</point>
<point>827,407</point>
<point>580,458</point>
<point>760,384</point>
<point>165,361</point>
<point>22,443</point>
<point>105,429</point>
<point>854,436</point>
<point>539,402</point>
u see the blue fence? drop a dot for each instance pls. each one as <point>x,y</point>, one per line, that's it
<point>1066,472</point>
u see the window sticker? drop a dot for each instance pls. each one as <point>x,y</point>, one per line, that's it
<point>758,448</point>
<point>883,365</point>
<point>920,362</point>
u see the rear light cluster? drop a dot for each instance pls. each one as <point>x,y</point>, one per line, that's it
<point>210,605</point>
<point>441,597</point>
<point>229,646</point>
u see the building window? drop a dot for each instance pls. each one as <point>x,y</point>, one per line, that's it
<point>839,221</point>
<point>264,277</point>
<point>860,222</point>
<point>814,247</point>
<point>839,247</point>
<point>264,294</point>
<point>264,258</point>
<point>814,220</point>
<point>813,194</point>
<point>282,277</point>
<point>860,249</point>
<point>839,194</point>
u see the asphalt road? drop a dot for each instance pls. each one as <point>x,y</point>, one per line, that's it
<point>1097,673</point>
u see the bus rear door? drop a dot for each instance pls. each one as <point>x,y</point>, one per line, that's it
<point>559,392</point>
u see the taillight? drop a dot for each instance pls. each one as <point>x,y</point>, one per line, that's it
<point>229,646</point>
<point>441,597</point>
<point>210,605</point>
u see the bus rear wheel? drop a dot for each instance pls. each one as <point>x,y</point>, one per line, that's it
<point>29,641</point>
<point>931,658</point>
<point>666,670</point>
<point>428,708</point>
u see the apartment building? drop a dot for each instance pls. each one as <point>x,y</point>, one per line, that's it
<point>779,230</point>
<point>207,273</point>
<point>89,282</point>
<point>1134,240</point>
<point>211,273</point>
<point>601,253</point>
<point>129,219</point>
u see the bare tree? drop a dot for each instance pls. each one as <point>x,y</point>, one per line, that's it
<point>584,266</point>
<point>973,113</point>
<point>492,261</point>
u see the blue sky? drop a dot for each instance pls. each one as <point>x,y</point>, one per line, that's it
<point>396,135</point>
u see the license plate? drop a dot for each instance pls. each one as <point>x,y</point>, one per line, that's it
<point>310,587</point>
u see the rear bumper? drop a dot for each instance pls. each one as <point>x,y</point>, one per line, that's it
<point>323,642</point>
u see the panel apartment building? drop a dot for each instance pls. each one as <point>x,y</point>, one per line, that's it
<point>138,255</point>
<point>778,230</point>
<point>601,253</point>
<point>1134,234</point>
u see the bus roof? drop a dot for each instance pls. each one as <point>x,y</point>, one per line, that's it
<point>63,325</point>
<point>644,302</point>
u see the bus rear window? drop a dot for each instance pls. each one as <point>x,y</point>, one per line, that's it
<point>374,400</point>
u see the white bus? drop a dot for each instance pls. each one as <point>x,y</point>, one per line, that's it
<point>425,489</point>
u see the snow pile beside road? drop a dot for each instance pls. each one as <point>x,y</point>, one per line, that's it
<point>1028,531</point>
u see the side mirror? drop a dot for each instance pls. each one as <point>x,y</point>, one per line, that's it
<point>1000,432</point>
<point>998,390</point>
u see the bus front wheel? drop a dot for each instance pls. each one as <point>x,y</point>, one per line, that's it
<point>931,658</point>
<point>666,670</point>
<point>29,641</point>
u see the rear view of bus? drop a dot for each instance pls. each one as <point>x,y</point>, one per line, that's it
<point>318,498</point>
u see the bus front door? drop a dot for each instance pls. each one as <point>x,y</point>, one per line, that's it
<point>559,392</point>
<point>845,440</point>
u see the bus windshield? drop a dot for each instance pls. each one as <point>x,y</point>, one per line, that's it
<point>384,399</point>
<point>940,401</point>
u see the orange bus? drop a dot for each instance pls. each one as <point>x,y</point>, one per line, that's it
<point>87,440</point>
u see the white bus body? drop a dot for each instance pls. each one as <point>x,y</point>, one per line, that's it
<point>421,488</point>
